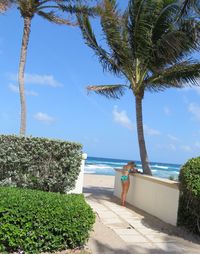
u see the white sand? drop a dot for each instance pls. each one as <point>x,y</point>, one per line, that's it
<point>98,181</point>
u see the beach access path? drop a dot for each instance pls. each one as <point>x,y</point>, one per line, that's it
<point>128,230</point>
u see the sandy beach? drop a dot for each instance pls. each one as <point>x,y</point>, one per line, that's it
<point>99,181</point>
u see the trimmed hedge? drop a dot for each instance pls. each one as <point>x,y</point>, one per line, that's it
<point>35,221</point>
<point>189,202</point>
<point>39,163</point>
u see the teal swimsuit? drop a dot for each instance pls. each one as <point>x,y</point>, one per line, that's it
<point>125,177</point>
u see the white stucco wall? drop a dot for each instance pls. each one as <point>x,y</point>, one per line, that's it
<point>156,196</point>
<point>79,182</point>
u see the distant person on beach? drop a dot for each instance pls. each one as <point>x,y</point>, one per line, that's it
<point>130,167</point>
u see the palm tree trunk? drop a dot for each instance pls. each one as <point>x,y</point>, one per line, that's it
<point>141,141</point>
<point>25,40</point>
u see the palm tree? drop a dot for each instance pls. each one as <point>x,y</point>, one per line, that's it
<point>147,48</point>
<point>49,10</point>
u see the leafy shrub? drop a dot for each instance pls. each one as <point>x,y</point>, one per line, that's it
<point>39,163</point>
<point>189,202</point>
<point>36,221</point>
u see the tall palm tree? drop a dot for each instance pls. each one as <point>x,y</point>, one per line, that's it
<point>50,10</point>
<point>147,48</point>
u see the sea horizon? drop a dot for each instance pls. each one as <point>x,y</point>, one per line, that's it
<point>106,166</point>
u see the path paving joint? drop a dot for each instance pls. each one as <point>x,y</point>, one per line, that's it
<point>136,231</point>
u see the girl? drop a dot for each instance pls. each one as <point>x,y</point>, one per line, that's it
<point>127,169</point>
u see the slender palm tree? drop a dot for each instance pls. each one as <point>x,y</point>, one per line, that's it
<point>147,48</point>
<point>50,10</point>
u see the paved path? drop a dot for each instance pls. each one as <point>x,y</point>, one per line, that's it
<point>126,230</point>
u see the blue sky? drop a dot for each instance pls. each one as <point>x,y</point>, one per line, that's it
<point>59,67</point>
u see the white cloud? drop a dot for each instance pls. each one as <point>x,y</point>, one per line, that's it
<point>15,89</point>
<point>197,89</point>
<point>43,117</point>
<point>37,79</point>
<point>122,118</point>
<point>197,144</point>
<point>31,93</point>
<point>167,111</point>
<point>195,110</point>
<point>192,88</point>
<point>151,132</point>
<point>96,140</point>
<point>173,138</point>
<point>186,148</point>
<point>172,147</point>
<point>48,80</point>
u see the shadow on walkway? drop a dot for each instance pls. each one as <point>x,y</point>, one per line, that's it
<point>103,248</point>
<point>104,193</point>
<point>94,191</point>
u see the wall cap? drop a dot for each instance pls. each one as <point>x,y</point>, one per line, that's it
<point>166,182</point>
<point>84,156</point>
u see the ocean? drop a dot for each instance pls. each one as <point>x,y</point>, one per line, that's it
<point>105,166</point>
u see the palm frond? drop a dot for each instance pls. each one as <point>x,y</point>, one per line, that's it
<point>179,75</point>
<point>164,21</point>
<point>109,91</point>
<point>115,32</point>
<point>156,43</point>
<point>191,27</point>
<point>176,44</point>
<point>186,6</point>
<point>170,48</point>
<point>142,16</point>
<point>105,58</point>
<point>4,5</point>
<point>52,17</point>
<point>80,9</point>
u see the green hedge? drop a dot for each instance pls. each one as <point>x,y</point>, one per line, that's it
<point>35,221</point>
<point>189,202</point>
<point>39,163</point>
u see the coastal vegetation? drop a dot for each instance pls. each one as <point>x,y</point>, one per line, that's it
<point>189,201</point>
<point>34,221</point>
<point>36,215</point>
<point>149,47</point>
<point>39,163</point>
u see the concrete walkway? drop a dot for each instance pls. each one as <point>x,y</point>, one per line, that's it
<point>127,230</point>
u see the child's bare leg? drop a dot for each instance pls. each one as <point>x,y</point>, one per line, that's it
<point>125,187</point>
<point>123,195</point>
